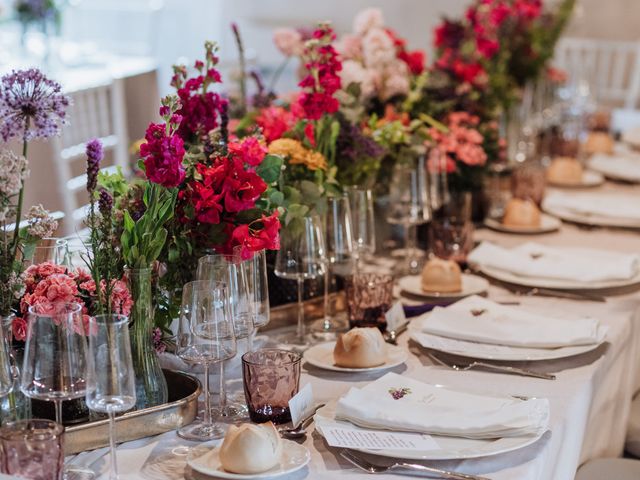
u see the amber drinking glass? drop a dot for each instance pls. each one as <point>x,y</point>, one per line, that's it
<point>369,297</point>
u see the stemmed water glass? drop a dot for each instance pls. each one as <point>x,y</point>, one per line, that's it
<point>301,256</point>
<point>226,269</point>
<point>110,380</point>
<point>408,206</point>
<point>55,363</point>
<point>254,275</point>
<point>205,336</point>
<point>55,359</point>
<point>362,222</point>
<point>340,258</point>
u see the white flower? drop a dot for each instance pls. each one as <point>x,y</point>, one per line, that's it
<point>13,171</point>
<point>288,41</point>
<point>354,72</point>
<point>368,19</point>
<point>377,49</point>
<point>349,47</point>
<point>41,224</point>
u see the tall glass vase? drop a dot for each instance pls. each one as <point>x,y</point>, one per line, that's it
<point>151,386</point>
<point>15,405</point>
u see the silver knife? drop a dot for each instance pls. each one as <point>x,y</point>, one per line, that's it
<point>392,335</point>
<point>547,292</point>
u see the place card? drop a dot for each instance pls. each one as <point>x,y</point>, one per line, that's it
<point>345,437</point>
<point>301,405</point>
<point>395,316</point>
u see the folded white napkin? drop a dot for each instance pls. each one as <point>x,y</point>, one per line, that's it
<point>398,403</point>
<point>540,261</point>
<point>625,166</point>
<point>613,206</point>
<point>477,319</point>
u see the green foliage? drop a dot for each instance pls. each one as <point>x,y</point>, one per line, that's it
<point>143,241</point>
<point>269,169</point>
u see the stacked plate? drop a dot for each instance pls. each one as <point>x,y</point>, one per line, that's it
<point>481,329</point>
<point>599,209</point>
<point>455,424</point>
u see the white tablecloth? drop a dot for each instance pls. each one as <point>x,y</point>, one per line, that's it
<point>589,401</point>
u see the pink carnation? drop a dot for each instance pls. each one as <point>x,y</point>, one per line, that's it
<point>368,19</point>
<point>19,329</point>
<point>56,288</point>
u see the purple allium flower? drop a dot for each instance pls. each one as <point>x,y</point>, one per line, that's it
<point>31,105</point>
<point>95,155</point>
<point>105,203</point>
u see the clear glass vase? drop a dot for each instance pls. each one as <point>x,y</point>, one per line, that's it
<point>15,405</point>
<point>151,386</point>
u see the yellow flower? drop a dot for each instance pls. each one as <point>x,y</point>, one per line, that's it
<point>297,154</point>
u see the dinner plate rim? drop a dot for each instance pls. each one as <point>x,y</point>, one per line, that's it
<point>612,175</point>
<point>550,283</point>
<point>598,179</point>
<point>401,352</point>
<point>401,454</point>
<point>552,353</point>
<point>448,295</point>
<point>554,224</point>
<point>286,445</point>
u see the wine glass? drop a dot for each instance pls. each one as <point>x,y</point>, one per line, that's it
<point>55,363</point>
<point>55,359</point>
<point>205,336</point>
<point>301,256</point>
<point>408,206</point>
<point>340,261</point>
<point>110,381</point>
<point>48,249</point>
<point>254,274</point>
<point>363,223</point>
<point>225,268</point>
<point>451,229</point>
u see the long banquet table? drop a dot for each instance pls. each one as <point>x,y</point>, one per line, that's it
<point>589,401</point>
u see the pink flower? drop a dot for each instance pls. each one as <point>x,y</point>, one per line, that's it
<point>288,41</point>
<point>354,72</point>
<point>121,300</point>
<point>367,20</point>
<point>163,156</point>
<point>56,288</point>
<point>274,122</point>
<point>249,151</point>
<point>378,49</point>
<point>19,329</point>
<point>350,47</point>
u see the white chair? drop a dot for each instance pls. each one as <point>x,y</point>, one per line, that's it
<point>96,112</point>
<point>609,469</point>
<point>632,445</point>
<point>610,68</point>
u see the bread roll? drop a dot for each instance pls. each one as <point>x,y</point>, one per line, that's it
<point>599,142</point>
<point>441,276</point>
<point>521,214</point>
<point>360,348</point>
<point>565,171</point>
<point>250,448</point>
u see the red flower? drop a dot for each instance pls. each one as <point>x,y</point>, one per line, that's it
<point>487,48</point>
<point>317,104</point>
<point>163,156</point>
<point>19,329</point>
<point>260,235</point>
<point>415,60</point>
<point>249,151</point>
<point>274,122</point>
<point>242,189</point>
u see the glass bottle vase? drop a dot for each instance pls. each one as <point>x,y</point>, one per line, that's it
<point>15,405</point>
<point>151,386</point>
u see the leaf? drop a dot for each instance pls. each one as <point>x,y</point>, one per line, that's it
<point>291,195</point>
<point>310,191</point>
<point>269,169</point>
<point>276,197</point>
<point>295,211</point>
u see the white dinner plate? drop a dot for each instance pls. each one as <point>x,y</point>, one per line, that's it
<point>560,284</point>
<point>592,220</point>
<point>547,224</point>
<point>293,457</point>
<point>485,351</point>
<point>471,285</point>
<point>607,166</point>
<point>590,179</point>
<point>450,448</point>
<point>321,356</point>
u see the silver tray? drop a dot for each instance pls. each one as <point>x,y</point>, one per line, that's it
<point>181,409</point>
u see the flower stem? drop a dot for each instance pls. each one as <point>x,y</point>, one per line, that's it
<point>16,231</point>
